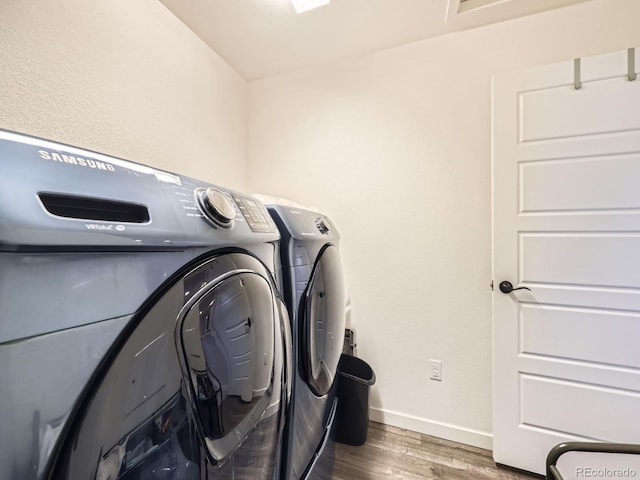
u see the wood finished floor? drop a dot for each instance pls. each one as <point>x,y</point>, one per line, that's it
<point>394,453</point>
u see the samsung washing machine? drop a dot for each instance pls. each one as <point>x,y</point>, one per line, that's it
<point>314,291</point>
<point>142,334</point>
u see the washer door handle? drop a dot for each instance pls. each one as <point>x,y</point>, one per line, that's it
<point>507,287</point>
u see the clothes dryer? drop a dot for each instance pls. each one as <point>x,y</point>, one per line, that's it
<point>142,334</point>
<point>314,291</point>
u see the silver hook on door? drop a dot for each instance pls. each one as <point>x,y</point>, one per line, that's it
<point>577,83</point>
<point>631,64</point>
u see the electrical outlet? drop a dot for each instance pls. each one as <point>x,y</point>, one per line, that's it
<point>436,370</point>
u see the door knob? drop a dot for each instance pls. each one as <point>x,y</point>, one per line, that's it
<point>507,287</point>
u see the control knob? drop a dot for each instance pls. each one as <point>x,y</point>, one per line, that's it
<point>322,226</point>
<point>216,207</point>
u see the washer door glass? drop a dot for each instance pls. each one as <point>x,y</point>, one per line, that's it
<point>193,389</point>
<point>323,314</point>
<point>228,347</point>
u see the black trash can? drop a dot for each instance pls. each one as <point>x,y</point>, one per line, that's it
<point>355,376</point>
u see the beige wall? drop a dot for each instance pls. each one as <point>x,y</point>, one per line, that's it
<point>396,148</point>
<point>125,78</point>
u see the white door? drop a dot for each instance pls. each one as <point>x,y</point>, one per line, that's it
<point>566,224</point>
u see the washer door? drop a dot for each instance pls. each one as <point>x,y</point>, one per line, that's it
<point>194,388</point>
<point>323,318</point>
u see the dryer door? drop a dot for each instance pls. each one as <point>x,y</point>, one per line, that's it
<point>194,388</point>
<point>323,318</point>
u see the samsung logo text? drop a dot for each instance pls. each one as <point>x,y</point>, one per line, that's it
<point>79,161</point>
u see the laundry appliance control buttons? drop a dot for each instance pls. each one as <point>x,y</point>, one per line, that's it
<point>216,207</point>
<point>322,226</point>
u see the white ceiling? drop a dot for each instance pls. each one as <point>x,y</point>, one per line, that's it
<point>261,38</point>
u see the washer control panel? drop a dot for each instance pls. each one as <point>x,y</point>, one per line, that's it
<point>255,214</point>
<point>69,196</point>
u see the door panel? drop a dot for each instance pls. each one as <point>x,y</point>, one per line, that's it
<point>590,194</point>
<point>195,388</point>
<point>561,112</point>
<point>566,224</point>
<point>595,324</point>
<point>574,406</point>
<point>602,260</point>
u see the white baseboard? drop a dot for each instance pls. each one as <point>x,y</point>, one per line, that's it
<point>447,431</point>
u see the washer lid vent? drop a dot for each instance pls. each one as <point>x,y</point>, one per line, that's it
<point>91,208</point>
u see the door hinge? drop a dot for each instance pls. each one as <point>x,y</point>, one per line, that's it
<point>491,285</point>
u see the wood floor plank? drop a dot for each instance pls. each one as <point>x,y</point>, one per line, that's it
<point>394,453</point>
